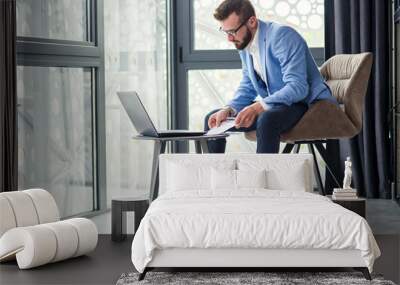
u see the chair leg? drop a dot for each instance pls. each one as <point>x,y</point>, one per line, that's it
<point>322,152</point>
<point>297,148</point>
<point>364,271</point>
<point>288,148</point>
<point>316,170</point>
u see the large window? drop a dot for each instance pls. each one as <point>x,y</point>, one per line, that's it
<point>54,19</point>
<point>61,102</point>
<point>205,94</point>
<point>306,16</point>
<point>135,60</point>
<point>55,134</point>
<point>208,68</point>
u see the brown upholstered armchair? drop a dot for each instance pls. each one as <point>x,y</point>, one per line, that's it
<point>347,76</point>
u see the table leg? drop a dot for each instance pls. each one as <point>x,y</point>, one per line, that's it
<point>118,221</point>
<point>197,146</point>
<point>159,148</point>
<point>204,146</point>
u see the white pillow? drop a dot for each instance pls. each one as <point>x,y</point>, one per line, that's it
<point>223,179</point>
<point>251,178</point>
<point>282,174</point>
<point>293,179</point>
<point>190,176</point>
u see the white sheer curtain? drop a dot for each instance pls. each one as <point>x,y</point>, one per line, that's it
<point>55,110</point>
<point>65,20</point>
<point>135,59</point>
<point>55,135</point>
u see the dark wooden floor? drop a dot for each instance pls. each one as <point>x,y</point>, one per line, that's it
<point>110,260</point>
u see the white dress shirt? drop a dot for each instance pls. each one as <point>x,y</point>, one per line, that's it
<point>254,50</point>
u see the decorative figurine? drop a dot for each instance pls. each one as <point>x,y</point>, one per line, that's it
<point>347,174</point>
<point>345,193</point>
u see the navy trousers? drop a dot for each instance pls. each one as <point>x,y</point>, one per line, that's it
<point>269,126</point>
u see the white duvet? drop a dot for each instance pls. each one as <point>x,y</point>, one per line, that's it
<point>250,219</point>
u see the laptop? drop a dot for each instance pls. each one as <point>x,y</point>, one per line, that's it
<point>141,119</point>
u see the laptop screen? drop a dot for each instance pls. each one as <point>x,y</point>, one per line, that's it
<point>137,113</point>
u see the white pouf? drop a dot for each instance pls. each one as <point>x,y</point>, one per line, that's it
<point>31,232</point>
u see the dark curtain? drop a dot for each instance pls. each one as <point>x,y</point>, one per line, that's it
<point>355,26</point>
<point>8,121</point>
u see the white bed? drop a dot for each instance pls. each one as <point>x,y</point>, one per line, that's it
<point>193,223</point>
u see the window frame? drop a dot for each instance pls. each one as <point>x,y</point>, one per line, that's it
<point>184,57</point>
<point>46,52</point>
<point>396,99</point>
<point>189,53</point>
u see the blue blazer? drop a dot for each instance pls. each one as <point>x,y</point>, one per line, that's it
<point>291,72</point>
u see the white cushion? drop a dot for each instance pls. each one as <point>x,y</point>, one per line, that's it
<point>290,175</point>
<point>46,207</point>
<point>27,208</point>
<point>277,178</point>
<point>34,244</point>
<point>222,179</point>
<point>187,175</point>
<point>7,218</point>
<point>251,178</point>
<point>37,245</point>
<point>23,208</point>
<point>67,239</point>
<point>284,171</point>
<point>87,233</point>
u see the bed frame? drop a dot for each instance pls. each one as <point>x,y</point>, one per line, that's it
<point>256,258</point>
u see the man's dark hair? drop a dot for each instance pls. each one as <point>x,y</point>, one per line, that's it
<point>243,8</point>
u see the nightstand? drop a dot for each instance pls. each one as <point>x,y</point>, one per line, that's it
<point>355,205</point>
<point>119,207</point>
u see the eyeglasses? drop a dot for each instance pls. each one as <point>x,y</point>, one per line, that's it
<point>233,31</point>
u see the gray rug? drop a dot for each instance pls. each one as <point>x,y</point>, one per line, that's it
<point>243,278</point>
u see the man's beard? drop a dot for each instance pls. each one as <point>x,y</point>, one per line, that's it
<point>245,42</point>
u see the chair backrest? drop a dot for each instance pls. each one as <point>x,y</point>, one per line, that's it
<point>347,75</point>
<point>26,208</point>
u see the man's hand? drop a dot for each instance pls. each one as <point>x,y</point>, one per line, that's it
<point>246,117</point>
<point>217,118</point>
